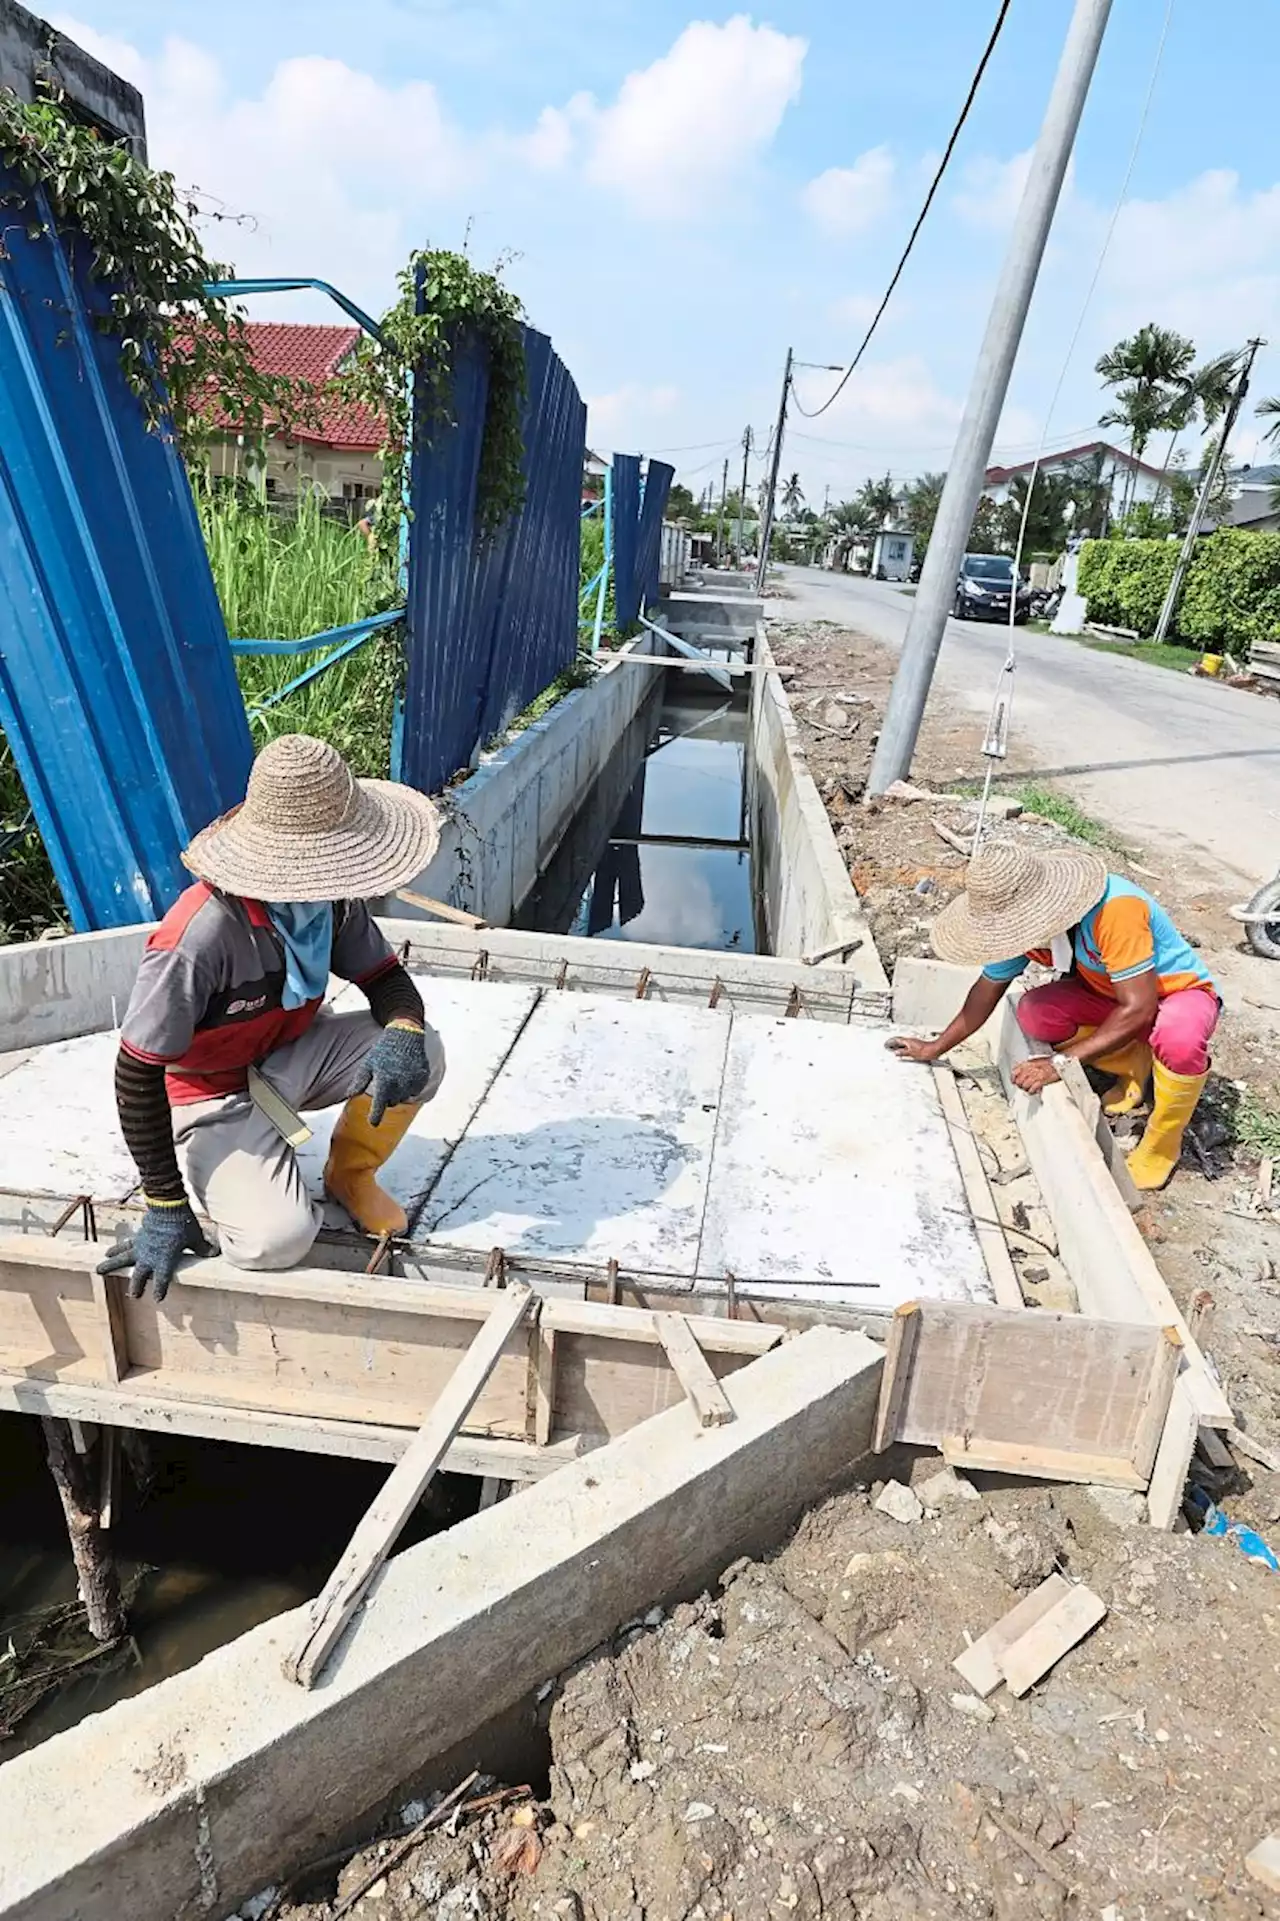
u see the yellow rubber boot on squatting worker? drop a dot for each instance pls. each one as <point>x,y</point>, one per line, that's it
<point>1156,1155</point>
<point>357,1151</point>
<point>1131,1066</point>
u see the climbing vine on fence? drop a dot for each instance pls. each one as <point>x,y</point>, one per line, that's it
<point>457,298</point>
<point>185,353</point>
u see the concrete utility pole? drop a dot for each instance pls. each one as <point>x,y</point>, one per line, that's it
<point>1189,544</point>
<point>766,515</point>
<point>990,384</point>
<point>742,497</point>
<point>724,489</point>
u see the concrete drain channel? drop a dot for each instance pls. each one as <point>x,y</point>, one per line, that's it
<point>685,1245</point>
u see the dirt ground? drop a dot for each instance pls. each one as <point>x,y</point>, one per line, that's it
<point>796,1742</point>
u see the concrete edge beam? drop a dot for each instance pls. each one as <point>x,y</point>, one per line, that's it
<point>928,993</point>
<point>223,1779</point>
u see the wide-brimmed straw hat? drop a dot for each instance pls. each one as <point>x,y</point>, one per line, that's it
<point>1016,899</point>
<point>308,830</point>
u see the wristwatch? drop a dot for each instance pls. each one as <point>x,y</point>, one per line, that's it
<point>1059,1061</point>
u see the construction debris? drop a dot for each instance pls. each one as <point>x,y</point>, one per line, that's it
<point>1263,1863</point>
<point>899,1503</point>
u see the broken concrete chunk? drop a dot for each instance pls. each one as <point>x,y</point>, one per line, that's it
<point>946,1486</point>
<point>899,1503</point>
<point>970,1704</point>
<point>902,790</point>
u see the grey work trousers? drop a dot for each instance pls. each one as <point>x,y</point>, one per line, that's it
<point>244,1176</point>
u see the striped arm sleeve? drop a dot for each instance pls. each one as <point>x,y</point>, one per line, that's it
<point>392,996</point>
<point>147,1125</point>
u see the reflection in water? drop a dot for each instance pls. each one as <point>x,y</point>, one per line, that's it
<point>657,851</point>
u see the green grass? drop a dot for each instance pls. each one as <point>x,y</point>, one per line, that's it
<point>1255,1126</point>
<point>1063,812</point>
<point>280,577</point>
<point>1180,659</point>
<point>29,896</point>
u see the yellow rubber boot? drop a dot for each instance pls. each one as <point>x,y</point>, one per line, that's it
<point>1131,1066</point>
<point>1156,1155</point>
<point>355,1155</point>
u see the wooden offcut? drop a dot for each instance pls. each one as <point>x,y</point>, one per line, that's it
<point>1072,1616</point>
<point>1263,1863</point>
<point>708,1399</point>
<point>980,1662</point>
<point>404,1487</point>
<point>1048,1395</point>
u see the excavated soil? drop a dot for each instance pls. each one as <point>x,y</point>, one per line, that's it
<point>798,1743</point>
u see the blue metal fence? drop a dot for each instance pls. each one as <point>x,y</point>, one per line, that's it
<point>490,621</point>
<point>653,504</point>
<point>118,696</point>
<point>626,539</point>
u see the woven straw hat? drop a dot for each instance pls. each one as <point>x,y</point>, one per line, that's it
<point>1015,900</point>
<point>309,831</point>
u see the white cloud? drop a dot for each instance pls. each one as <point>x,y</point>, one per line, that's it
<point>846,200</point>
<point>858,309</point>
<point>991,190</point>
<point>632,416</point>
<point>680,127</point>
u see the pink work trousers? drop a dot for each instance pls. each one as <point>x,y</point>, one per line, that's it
<point>1179,1035</point>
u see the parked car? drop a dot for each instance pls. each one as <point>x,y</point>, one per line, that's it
<point>983,587</point>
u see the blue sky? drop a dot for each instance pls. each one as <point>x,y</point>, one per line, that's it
<point>688,192</point>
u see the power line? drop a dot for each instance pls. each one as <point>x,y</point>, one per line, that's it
<point>936,182</point>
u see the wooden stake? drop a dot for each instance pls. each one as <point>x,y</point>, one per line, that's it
<point>904,1332</point>
<point>441,909</point>
<point>693,1370</point>
<point>404,1487</point>
<point>95,1569</point>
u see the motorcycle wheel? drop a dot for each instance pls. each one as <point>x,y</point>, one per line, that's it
<point>1264,935</point>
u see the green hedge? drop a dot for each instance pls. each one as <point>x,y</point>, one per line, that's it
<point>1231,596</point>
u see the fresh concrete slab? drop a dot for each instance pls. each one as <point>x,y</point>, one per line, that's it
<point>595,1141</point>
<point>59,1133</point>
<point>186,1800</point>
<point>834,1165</point>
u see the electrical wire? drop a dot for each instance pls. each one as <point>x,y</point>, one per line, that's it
<point>934,184</point>
<point>1002,706</point>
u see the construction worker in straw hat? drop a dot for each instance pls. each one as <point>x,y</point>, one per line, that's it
<point>226,1037</point>
<point>1130,996</point>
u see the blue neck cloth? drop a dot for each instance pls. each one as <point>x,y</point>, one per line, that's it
<point>306,928</point>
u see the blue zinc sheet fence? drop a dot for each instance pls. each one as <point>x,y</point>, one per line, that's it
<point>490,622</point>
<point>653,504</point>
<point>118,696</point>
<point>626,539</point>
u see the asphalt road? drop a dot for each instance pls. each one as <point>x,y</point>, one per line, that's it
<point>1165,758</point>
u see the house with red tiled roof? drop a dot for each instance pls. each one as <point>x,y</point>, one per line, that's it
<point>1129,479</point>
<point>336,451</point>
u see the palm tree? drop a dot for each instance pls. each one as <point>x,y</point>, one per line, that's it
<point>877,500</point>
<point>920,506</point>
<point>792,497</point>
<point>1152,376</point>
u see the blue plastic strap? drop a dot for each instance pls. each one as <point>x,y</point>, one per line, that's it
<point>230,288</point>
<point>332,636</point>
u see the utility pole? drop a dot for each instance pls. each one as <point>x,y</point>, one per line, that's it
<point>1211,474</point>
<point>742,497</point>
<point>724,489</point>
<point>766,512</point>
<point>987,392</point>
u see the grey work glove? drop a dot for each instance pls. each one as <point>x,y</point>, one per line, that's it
<point>169,1230</point>
<point>397,1069</point>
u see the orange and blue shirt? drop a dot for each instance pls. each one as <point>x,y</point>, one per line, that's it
<point>1125,934</point>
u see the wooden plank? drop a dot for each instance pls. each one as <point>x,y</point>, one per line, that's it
<point>441,909</point>
<point>709,1401</point>
<point>1114,1274</point>
<point>545,1389</point>
<point>1263,1863</point>
<point>977,1188</point>
<point>980,1663</point>
<point>748,1338</point>
<point>1164,1372</point>
<point>904,1334</point>
<point>108,1293</point>
<point>1031,1656</point>
<point>993,1377</point>
<point>133,1405</point>
<point>1254,1450</point>
<point>1173,1456</point>
<point>404,1487</point>
<point>1042,1463</point>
